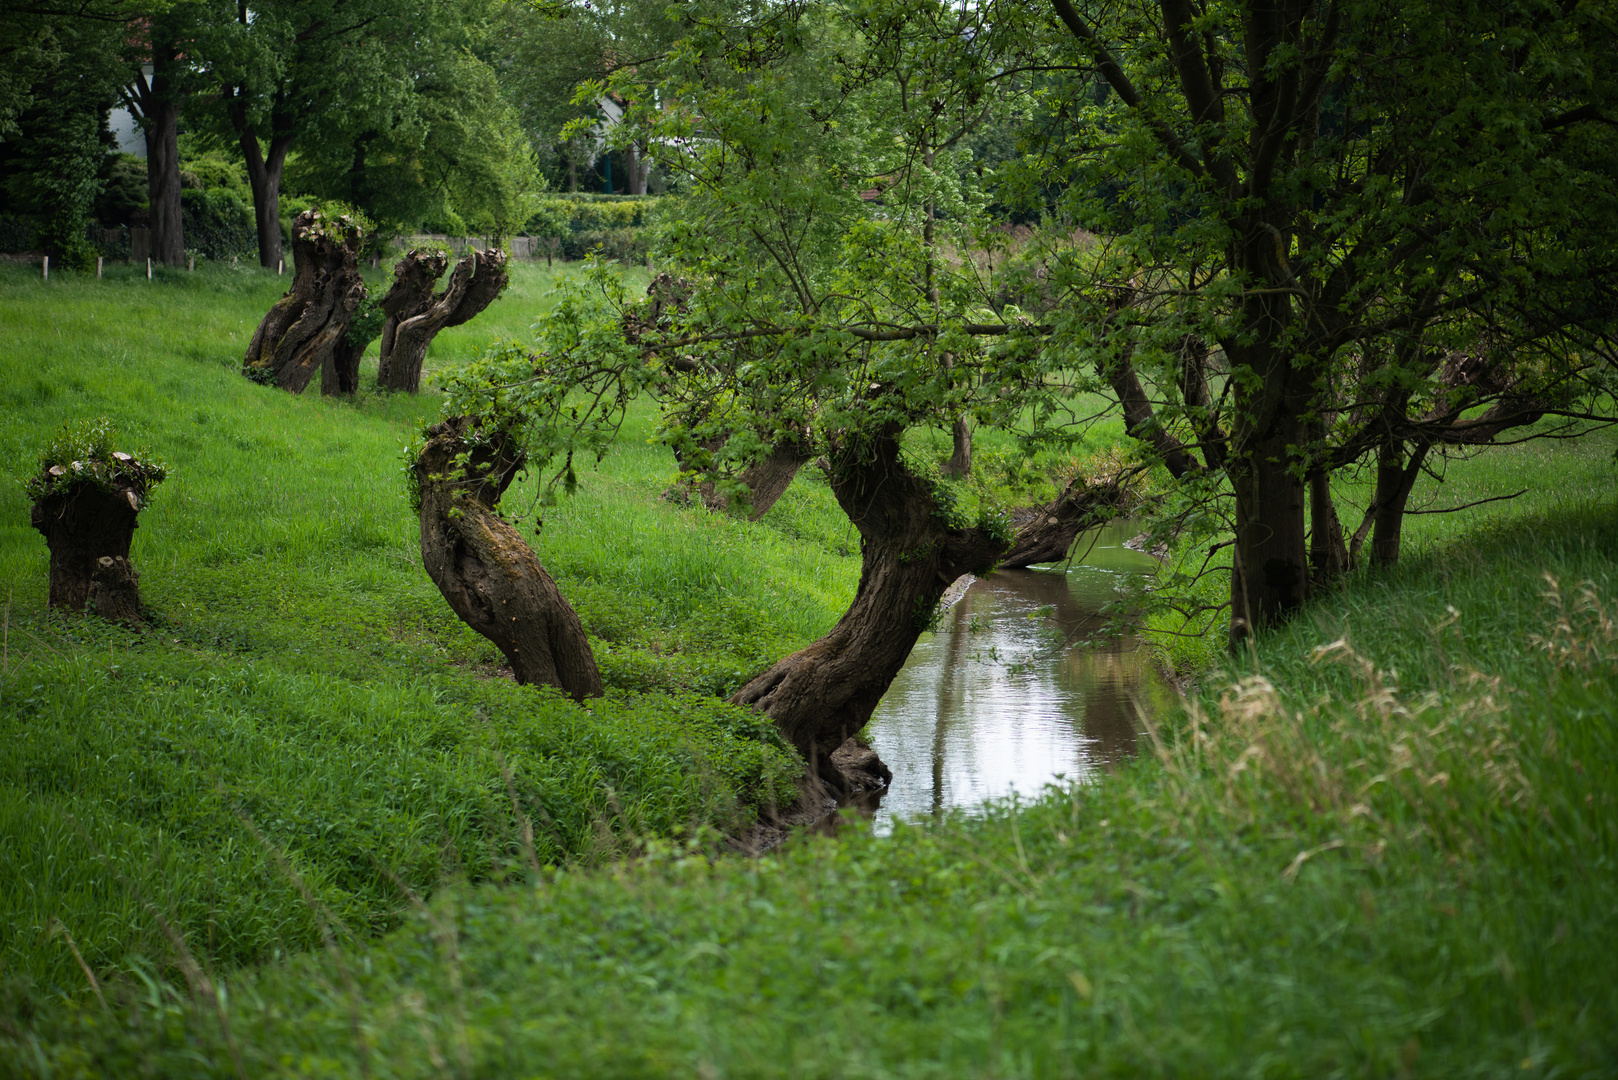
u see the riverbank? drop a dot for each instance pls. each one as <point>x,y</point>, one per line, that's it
<point>1387,847</point>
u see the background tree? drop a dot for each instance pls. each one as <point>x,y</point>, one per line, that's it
<point>63,79</point>
<point>450,149</point>
<point>168,39</point>
<point>1332,195</point>
<point>284,70</point>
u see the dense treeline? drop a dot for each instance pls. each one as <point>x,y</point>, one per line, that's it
<point>419,115</point>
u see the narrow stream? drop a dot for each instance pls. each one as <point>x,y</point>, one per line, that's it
<point>1011,693</point>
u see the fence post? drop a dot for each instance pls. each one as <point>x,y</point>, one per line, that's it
<point>191,263</point>
<point>98,266</point>
<point>280,267</point>
<point>45,269</point>
<point>148,268</point>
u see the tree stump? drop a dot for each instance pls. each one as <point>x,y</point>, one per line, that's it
<point>87,509</point>
<point>483,566</point>
<point>413,279</point>
<point>113,592</point>
<point>304,332</point>
<point>477,280</point>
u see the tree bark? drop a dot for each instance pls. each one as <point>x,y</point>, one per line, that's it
<point>413,279</point>
<point>766,480</point>
<point>485,569</point>
<point>160,108</point>
<point>84,525</point>
<point>959,464</point>
<point>1270,564</point>
<point>1395,479</point>
<point>1049,535</point>
<point>477,280</point>
<point>302,333</point>
<point>821,695</point>
<point>1328,554</point>
<point>114,594</point>
<point>634,181</point>
<point>264,175</point>
<point>1140,419</point>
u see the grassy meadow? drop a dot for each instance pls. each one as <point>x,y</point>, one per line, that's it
<point>304,712</point>
<point>300,827</point>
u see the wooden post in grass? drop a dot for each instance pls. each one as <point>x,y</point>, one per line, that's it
<point>98,267</point>
<point>191,263</point>
<point>148,268</point>
<point>45,269</point>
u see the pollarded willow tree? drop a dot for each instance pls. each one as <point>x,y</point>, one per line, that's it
<point>1385,228</point>
<point>824,309</point>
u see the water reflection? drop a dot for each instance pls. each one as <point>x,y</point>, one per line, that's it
<point>1012,693</point>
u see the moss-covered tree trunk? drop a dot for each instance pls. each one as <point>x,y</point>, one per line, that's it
<point>482,565</point>
<point>301,335</point>
<point>477,280</point>
<point>822,695</point>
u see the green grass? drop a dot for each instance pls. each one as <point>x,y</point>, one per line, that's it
<point>303,697</point>
<point>1397,856</point>
<point>1327,869</point>
<point>1546,476</point>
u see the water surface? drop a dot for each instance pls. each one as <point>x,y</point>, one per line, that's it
<point>1014,691</point>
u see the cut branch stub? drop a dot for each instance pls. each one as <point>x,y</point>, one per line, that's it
<point>819,697</point>
<point>87,512</point>
<point>305,330</point>
<point>1049,534</point>
<point>477,280</point>
<point>483,566</point>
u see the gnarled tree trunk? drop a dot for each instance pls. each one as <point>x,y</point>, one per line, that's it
<point>477,280</point>
<point>485,569</point>
<point>88,531</point>
<point>1049,535</point>
<point>766,480</point>
<point>412,291</point>
<point>821,695</point>
<point>303,331</point>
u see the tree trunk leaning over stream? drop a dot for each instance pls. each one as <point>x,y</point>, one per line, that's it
<point>301,334</point>
<point>485,569</point>
<point>478,279</point>
<point>822,695</point>
<point>1049,535</point>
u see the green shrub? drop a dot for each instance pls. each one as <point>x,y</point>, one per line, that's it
<point>610,226</point>
<point>218,223</point>
<point>18,233</point>
<point>125,193</point>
